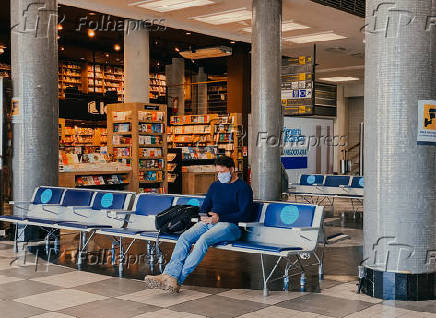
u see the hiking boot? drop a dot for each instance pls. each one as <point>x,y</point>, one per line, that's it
<point>170,284</point>
<point>155,282</point>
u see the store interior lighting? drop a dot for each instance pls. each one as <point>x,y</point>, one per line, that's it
<point>170,5</point>
<point>315,37</point>
<point>224,17</point>
<point>337,79</point>
<point>211,52</point>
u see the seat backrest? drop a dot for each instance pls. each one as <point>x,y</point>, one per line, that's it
<point>336,181</point>
<point>357,182</point>
<point>152,204</point>
<point>48,195</point>
<point>282,223</point>
<point>73,197</point>
<point>311,179</point>
<point>188,200</point>
<point>257,210</point>
<point>285,215</point>
<point>111,200</point>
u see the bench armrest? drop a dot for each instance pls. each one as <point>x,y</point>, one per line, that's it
<point>114,213</point>
<point>249,224</point>
<point>306,228</point>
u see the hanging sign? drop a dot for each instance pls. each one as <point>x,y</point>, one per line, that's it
<point>426,121</point>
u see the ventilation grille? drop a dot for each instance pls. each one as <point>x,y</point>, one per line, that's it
<point>356,7</point>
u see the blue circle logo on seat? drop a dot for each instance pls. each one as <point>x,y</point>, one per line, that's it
<point>310,179</point>
<point>289,214</point>
<point>194,202</point>
<point>361,182</point>
<point>46,196</point>
<point>106,200</point>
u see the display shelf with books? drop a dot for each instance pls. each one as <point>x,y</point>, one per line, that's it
<point>137,137</point>
<point>158,86</point>
<point>70,75</point>
<point>111,179</point>
<point>82,137</point>
<point>205,137</point>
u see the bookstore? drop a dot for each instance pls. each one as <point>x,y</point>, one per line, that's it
<point>293,141</point>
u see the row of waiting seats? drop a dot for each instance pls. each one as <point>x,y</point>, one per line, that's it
<point>280,229</point>
<point>329,185</point>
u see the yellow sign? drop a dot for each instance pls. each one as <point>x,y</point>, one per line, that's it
<point>302,60</point>
<point>429,117</point>
<point>302,76</point>
<point>15,107</point>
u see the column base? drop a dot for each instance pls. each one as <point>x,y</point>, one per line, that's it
<point>396,286</point>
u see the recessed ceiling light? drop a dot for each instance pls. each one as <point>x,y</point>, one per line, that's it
<point>177,49</point>
<point>60,27</point>
<point>339,79</point>
<point>107,55</point>
<point>91,33</point>
<point>92,13</point>
<point>224,17</point>
<point>82,58</point>
<point>188,33</point>
<point>117,47</point>
<point>170,5</point>
<point>315,37</point>
<point>62,48</point>
<point>232,42</point>
<point>286,26</point>
<point>2,50</point>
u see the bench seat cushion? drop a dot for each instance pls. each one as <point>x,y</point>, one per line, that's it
<point>265,246</point>
<point>123,231</point>
<point>83,226</point>
<point>162,235</point>
<point>44,221</point>
<point>12,217</point>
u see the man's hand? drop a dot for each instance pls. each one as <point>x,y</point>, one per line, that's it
<point>212,219</point>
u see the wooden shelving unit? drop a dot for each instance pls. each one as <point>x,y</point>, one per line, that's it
<point>89,136</point>
<point>137,137</point>
<point>204,137</point>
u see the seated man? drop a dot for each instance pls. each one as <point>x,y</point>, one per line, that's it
<point>228,201</point>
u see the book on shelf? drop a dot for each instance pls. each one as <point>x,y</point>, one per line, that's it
<point>120,116</point>
<point>151,128</point>
<point>122,127</point>
<point>150,152</point>
<point>149,140</point>
<point>121,140</point>
<point>150,176</point>
<point>121,152</point>
<point>151,163</point>
<point>150,116</point>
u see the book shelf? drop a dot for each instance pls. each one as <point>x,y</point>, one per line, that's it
<point>119,179</point>
<point>70,74</point>
<point>81,137</point>
<point>204,137</point>
<point>158,86</point>
<point>137,137</point>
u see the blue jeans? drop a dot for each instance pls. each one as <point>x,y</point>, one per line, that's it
<point>203,235</point>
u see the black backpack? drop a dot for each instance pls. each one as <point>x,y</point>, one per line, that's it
<point>176,219</point>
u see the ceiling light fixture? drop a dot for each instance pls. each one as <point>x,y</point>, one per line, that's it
<point>315,37</point>
<point>170,5</point>
<point>339,79</point>
<point>286,26</point>
<point>188,33</point>
<point>60,27</point>
<point>2,49</point>
<point>211,52</point>
<point>177,49</point>
<point>91,33</point>
<point>232,42</point>
<point>92,13</point>
<point>107,55</point>
<point>117,47</point>
<point>62,48</point>
<point>224,17</point>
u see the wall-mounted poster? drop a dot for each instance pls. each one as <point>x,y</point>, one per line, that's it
<point>426,121</point>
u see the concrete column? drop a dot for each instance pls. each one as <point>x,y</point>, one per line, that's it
<point>340,127</point>
<point>175,74</point>
<point>35,85</point>
<point>136,64</point>
<point>199,93</point>
<point>266,104</point>
<point>400,175</point>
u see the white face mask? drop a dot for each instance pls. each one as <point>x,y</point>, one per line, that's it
<point>224,177</point>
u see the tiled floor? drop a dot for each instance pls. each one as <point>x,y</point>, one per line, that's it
<point>229,288</point>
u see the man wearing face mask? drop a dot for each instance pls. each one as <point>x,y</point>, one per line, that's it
<point>228,201</point>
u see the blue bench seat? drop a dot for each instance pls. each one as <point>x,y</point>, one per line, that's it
<point>123,231</point>
<point>83,226</point>
<point>264,247</point>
